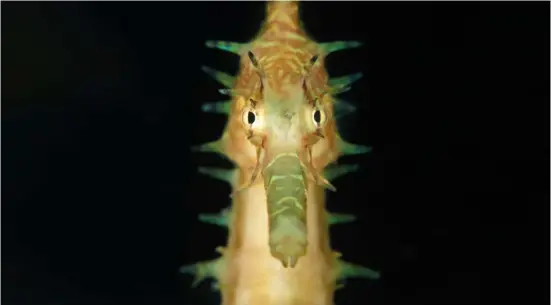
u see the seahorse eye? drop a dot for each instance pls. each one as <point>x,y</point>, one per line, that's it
<point>251,117</point>
<point>318,116</point>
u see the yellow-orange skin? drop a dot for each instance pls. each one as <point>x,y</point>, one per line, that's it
<point>251,275</point>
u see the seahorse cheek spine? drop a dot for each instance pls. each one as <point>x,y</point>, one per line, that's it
<point>278,250</point>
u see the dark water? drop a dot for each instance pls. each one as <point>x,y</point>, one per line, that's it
<point>101,101</point>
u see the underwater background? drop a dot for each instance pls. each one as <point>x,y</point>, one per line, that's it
<point>101,102</point>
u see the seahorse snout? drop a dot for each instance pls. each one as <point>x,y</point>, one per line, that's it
<point>285,184</point>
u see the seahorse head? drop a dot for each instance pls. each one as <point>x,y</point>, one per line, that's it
<point>289,127</point>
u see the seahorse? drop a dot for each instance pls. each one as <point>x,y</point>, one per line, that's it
<point>281,135</point>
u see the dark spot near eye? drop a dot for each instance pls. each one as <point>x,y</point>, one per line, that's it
<point>253,59</point>
<point>317,116</point>
<point>314,59</point>
<point>251,117</point>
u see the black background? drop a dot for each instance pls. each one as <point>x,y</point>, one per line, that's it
<point>101,101</point>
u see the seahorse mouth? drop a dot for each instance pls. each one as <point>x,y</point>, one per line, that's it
<point>288,251</point>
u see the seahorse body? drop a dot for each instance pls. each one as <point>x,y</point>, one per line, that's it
<point>281,135</point>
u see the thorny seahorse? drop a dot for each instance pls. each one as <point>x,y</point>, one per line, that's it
<point>281,135</point>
